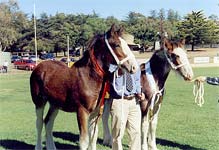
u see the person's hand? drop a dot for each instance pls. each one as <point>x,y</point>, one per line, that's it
<point>141,96</point>
<point>200,79</point>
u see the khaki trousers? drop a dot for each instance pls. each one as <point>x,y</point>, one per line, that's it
<point>126,114</point>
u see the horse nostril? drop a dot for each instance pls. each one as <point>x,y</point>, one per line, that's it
<point>133,68</point>
<point>189,77</point>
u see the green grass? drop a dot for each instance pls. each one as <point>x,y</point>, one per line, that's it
<point>182,124</point>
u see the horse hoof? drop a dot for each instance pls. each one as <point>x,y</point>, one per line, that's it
<point>38,147</point>
<point>107,143</point>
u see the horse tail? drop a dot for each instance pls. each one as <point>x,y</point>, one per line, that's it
<point>36,88</point>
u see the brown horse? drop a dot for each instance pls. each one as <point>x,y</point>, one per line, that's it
<point>79,88</point>
<point>153,77</point>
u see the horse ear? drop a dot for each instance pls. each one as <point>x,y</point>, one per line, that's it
<point>168,45</point>
<point>120,31</point>
<point>115,30</point>
<point>112,30</point>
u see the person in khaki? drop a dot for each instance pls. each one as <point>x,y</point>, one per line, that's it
<point>125,93</point>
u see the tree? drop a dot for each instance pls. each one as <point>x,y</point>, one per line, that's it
<point>212,35</point>
<point>194,28</point>
<point>153,14</point>
<point>8,19</point>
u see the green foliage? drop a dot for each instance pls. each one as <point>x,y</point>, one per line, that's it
<point>198,30</point>
<point>17,30</point>
<point>11,22</point>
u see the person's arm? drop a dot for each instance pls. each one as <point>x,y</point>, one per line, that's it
<point>140,95</point>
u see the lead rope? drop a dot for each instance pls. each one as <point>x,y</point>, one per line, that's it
<point>198,92</point>
<point>155,99</point>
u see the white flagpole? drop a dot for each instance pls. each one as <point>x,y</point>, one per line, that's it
<point>68,59</point>
<point>35,32</point>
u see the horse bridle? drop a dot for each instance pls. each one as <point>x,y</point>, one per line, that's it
<point>119,62</point>
<point>173,66</point>
<point>97,67</point>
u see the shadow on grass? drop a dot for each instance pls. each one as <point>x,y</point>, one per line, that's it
<point>15,144</point>
<point>164,142</point>
<point>74,138</point>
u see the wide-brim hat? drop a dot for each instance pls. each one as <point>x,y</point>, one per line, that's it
<point>128,38</point>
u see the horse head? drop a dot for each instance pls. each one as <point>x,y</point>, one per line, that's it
<point>118,51</point>
<point>177,58</point>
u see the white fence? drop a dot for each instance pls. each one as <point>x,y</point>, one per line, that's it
<point>200,60</point>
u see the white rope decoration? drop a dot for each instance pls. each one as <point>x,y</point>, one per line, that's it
<point>198,92</point>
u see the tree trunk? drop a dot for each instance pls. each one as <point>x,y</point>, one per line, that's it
<point>193,45</point>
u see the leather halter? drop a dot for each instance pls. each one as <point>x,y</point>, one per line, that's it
<point>173,66</point>
<point>99,70</point>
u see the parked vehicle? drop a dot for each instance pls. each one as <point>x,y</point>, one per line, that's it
<point>26,57</point>
<point>71,60</point>
<point>75,53</point>
<point>26,64</point>
<point>47,56</point>
<point>33,57</point>
<point>15,58</point>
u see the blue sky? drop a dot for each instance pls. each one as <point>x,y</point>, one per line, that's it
<point>118,8</point>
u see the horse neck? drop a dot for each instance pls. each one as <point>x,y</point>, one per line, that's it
<point>91,64</point>
<point>160,68</point>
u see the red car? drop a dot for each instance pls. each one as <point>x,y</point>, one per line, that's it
<point>26,64</point>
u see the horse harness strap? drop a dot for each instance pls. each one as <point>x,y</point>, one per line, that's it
<point>173,66</point>
<point>101,73</point>
<point>97,67</point>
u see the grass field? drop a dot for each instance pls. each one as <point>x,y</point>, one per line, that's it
<point>182,124</point>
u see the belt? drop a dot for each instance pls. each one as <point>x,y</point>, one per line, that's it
<point>130,97</point>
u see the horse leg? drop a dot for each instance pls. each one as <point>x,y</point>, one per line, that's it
<point>82,117</point>
<point>144,132</point>
<point>93,132</point>
<point>152,132</point>
<point>107,137</point>
<point>39,126</point>
<point>49,122</point>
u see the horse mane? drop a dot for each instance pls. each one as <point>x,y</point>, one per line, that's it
<point>93,41</point>
<point>91,44</point>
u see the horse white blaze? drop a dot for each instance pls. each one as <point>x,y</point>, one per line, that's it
<point>130,56</point>
<point>186,67</point>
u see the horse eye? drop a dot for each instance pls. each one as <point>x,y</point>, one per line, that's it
<point>117,45</point>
